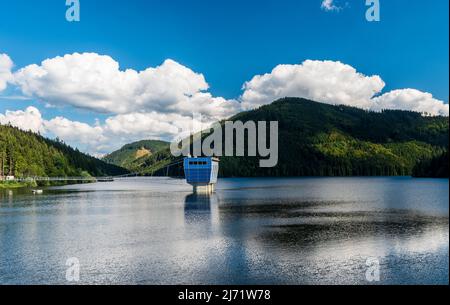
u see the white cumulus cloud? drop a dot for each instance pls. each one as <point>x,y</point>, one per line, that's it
<point>28,119</point>
<point>329,5</point>
<point>75,132</point>
<point>154,103</point>
<point>329,82</point>
<point>6,65</point>
<point>101,138</point>
<point>95,82</point>
<point>333,82</point>
<point>410,99</point>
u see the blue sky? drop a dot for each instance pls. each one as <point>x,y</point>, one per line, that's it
<point>230,42</point>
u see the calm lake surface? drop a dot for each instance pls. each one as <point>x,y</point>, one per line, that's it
<point>251,231</point>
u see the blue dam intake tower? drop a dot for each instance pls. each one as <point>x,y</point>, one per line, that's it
<point>201,173</point>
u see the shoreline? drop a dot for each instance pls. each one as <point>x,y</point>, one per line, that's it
<point>8,185</point>
<point>5,185</point>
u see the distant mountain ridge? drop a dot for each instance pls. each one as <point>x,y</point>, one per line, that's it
<point>318,139</point>
<point>127,156</point>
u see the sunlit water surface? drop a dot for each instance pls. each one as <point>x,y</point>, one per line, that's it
<point>251,231</point>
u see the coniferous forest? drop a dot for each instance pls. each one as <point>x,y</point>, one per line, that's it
<point>437,167</point>
<point>26,154</point>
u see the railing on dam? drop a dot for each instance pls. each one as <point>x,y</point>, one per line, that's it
<point>51,179</point>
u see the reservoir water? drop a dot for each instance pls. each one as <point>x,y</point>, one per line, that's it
<point>251,231</point>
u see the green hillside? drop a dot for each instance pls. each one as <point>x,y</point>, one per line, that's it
<point>127,156</point>
<point>26,154</point>
<point>318,139</point>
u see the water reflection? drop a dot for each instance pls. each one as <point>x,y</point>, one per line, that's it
<point>309,244</point>
<point>252,231</point>
<point>201,207</point>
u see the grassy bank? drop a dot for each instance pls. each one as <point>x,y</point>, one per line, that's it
<point>30,184</point>
<point>16,185</point>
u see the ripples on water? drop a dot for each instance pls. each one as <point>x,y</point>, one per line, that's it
<point>252,231</point>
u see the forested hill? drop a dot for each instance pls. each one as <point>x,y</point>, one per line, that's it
<point>318,139</point>
<point>26,154</point>
<point>128,154</point>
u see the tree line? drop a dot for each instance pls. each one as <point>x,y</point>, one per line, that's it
<point>26,154</point>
